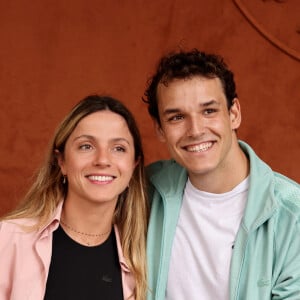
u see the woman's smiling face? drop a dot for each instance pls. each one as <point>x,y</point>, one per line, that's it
<point>99,158</point>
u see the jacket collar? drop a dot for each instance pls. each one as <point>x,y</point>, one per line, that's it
<point>122,259</point>
<point>53,224</point>
<point>261,202</point>
<point>168,177</point>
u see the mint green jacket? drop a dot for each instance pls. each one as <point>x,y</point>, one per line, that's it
<point>265,262</point>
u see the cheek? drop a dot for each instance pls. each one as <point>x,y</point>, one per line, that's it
<point>221,124</point>
<point>171,135</point>
<point>73,165</point>
<point>128,167</point>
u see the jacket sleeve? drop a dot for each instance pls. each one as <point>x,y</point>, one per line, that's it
<point>287,284</point>
<point>6,252</point>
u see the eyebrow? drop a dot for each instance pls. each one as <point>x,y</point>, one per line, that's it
<point>177,110</point>
<point>91,137</point>
<point>211,102</point>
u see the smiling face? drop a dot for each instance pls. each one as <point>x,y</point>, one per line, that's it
<point>198,127</point>
<point>98,158</point>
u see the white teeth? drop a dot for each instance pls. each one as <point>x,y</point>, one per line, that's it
<point>100,178</point>
<point>199,148</point>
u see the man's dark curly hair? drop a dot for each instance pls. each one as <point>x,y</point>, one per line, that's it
<point>183,65</point>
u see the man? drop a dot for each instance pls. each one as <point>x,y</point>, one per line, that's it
<point>223,225</point>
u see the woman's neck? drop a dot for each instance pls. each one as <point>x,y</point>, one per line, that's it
<point>87,224</point>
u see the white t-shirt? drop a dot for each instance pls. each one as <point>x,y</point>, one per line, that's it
<point>203,243</point>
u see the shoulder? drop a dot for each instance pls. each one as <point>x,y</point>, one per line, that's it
<point>15,239</point>
<point>163,167</point>
<point>17,225</point>
<point>157,166</point>
<point>14,228</point>
<point>287,185</point>
<point>12,225</point>
<point>287,192</point>
<point>166,178</point>
<point>165,174</point>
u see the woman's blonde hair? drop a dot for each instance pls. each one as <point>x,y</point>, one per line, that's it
<point>131,213</point>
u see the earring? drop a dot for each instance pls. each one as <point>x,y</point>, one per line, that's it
<point>64,179</point>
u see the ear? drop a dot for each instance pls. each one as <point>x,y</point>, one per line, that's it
<point>159,132</point>
<point>60,161</point>
<point>235,114</point>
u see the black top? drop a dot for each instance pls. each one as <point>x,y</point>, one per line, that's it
<point>78,272</point>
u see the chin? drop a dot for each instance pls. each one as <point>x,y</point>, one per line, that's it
<point>199,170</point>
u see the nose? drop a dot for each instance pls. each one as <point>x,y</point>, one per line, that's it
<point>101,158</point>
<point>195,126</point>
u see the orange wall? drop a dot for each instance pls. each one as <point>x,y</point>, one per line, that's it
<point>53,53</point>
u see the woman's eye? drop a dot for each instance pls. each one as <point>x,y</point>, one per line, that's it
<point>85,147</point>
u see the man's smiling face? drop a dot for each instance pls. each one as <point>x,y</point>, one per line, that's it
<point>197,125</point>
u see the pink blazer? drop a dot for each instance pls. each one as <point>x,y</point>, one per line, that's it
<point>25,260</point>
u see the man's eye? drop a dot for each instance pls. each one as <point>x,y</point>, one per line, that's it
<point>209,111</point>
<point>119,149</point>
<point>176,118</point>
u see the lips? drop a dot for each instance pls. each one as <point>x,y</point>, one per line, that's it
<point>199,147</point>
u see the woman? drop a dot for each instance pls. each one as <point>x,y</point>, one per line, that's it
<point>80,231</point>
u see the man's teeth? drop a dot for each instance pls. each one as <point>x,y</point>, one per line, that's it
<point>199,148</point>
<point>100,178</point>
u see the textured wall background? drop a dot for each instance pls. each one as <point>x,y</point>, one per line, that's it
<point>55,52</point>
